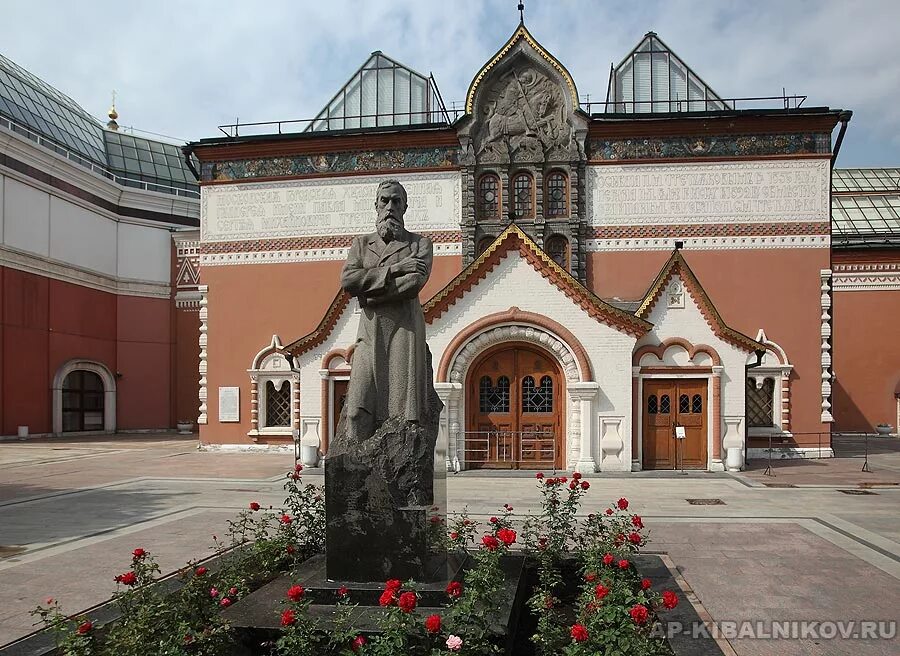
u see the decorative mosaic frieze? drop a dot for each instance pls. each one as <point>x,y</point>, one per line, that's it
<point>751,145</point>
<point>365,160</point>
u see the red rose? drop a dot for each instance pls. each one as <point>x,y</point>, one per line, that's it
<point>548,602</point>
<point>573,485</point>
<point>84,628</point>
<point>387,598</point>
<point>639,614</point>
<point>358,642</point>
<point>637,521</point>
<point>550,481</point>
<point>507,507</point>
<point>490,542</point>
<point>620,538</point>
<point>669,599</point>
<point>576,476</point>
<point>563,479</point>
<point>433,623</point>
<point>590,576</point>
<point>407,602</point>
<point>298,467</point>
<point>138,553</point>
<point>609,511</point>
<point>608,559</point>
<point>225,603</point>
<point>296,592</point>
<point>645,584</point>
<point>286,519</point>
<point>200,571</point>
<point>539,475</point>
<point>290,549</point>
<point>393,584</point>
<point>233,591</point>
<point>600,591</point>
<point>467,522</point>
<point>578,633</point>
<point>128,578</point>
<point>634,538</point>
<point>507,536</point>
<point>454,589</point>
<point>623,564</point>
<point>288,617</point>
<point>585,485</point>
<point>622,503</point>
<point>343,591</point>
<point>454,535</point>
<point>254,505</point>
<point>493,520</point>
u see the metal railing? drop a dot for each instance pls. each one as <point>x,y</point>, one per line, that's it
<point>848,445</point>
<point>686,105</point>
<point>81,160</point>
<point>510,448</point>
<point>439,116</point>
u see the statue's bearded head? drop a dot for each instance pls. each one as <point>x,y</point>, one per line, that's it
<point>390,204</point>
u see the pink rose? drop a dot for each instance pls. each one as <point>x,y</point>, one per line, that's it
<point>454,643</point>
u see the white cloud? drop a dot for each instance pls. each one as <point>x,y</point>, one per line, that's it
<point>183,68</point>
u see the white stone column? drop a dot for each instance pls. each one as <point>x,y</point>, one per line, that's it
<point>449,430</point>
<point>584,394</point>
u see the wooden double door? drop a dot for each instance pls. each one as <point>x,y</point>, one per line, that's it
<point>514,407</point>
<point>666,405</point>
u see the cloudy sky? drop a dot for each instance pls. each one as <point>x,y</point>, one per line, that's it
<point>181,69</point>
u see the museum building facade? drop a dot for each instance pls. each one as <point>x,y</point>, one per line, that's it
<point>650,282</point>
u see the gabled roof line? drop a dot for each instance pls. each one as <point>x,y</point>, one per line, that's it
<point>513,238</point>
<point>677,264</point>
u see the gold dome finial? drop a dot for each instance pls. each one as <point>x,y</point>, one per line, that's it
<point>113,114</point>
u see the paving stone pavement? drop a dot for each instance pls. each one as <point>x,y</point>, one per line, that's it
<point>72,511</point>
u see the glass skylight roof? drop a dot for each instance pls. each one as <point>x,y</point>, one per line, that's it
<point>652,78</point>
<point>865,180</point>
<point>33,102</point>
<point>383,92</point>
<point>865,205</point>
<point>65,127</point>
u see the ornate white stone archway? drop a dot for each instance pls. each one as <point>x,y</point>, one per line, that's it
<point>581,393</point>
<point>109,392</point>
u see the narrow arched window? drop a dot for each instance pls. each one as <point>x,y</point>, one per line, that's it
<point>697,404</point>
<point>652,405</point>
<point>557,201</point>
<point>665,405</point>
<point>278,404</point>
<point>558,250</point>
<point>483,244</point>
<point>523,196</point>
<point>537,398</point>
<point>489,196</point>
<point>684,404</point>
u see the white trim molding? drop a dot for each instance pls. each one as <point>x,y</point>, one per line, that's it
<point>201,369</point>
<point>109,392</point>
<point>827,376</point>
<point>302,255</point>
<point>709,243</point>
<point>865,277</point>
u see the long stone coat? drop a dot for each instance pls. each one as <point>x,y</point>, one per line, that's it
<point>389,364</point>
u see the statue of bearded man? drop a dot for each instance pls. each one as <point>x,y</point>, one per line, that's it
<point>385,270</point>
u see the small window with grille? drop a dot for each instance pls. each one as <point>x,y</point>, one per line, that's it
<point>278,404</point>
<point>493,399</point>
<point>557,194</point>
<point>652,405</point>
<point>489,196</point>
<point>665,405</point>
<point>558,250</point>
<point>523,196</point>
<point>761,403</point>
<point>537,398</point>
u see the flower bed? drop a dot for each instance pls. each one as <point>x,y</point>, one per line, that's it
<point>584,593</point>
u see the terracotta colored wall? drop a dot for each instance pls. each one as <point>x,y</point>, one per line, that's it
<point>866,351</point>
<point>47,322</point>
<point>186,354</point>
<point>776,289</point>
<point>250,303</point>
<point>143,359</point>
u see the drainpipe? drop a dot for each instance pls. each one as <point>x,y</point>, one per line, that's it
<point>844,117</point>
<point>188,150</point>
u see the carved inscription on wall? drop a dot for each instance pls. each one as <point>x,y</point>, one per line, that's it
<point>334,206</point>
<point>708,193</point>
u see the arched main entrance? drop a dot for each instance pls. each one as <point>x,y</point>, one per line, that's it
<point>514,407</point>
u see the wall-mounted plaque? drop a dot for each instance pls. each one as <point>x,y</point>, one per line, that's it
<point>229,404</point>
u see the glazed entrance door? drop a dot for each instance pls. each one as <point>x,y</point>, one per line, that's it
<point>670,403</point>
<point>514,402</point>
